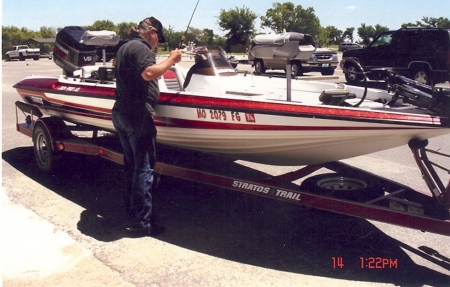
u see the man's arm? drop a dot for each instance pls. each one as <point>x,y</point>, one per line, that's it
<point>155,71</point>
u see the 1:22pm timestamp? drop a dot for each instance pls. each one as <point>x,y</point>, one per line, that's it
<point>368,262</point>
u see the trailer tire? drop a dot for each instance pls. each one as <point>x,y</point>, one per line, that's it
<point>42,148</point>
<point>340,186</point>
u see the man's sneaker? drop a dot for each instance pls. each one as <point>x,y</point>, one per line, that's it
<point>146,229</point>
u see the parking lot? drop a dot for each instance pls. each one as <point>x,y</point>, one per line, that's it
<point>58,229</point>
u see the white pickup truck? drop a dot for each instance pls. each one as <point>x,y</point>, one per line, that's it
<point>23,52</point>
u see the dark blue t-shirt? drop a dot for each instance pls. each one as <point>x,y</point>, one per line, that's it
<point>132,91</point>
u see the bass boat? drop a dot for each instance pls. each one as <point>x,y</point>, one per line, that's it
<point>211,108</point>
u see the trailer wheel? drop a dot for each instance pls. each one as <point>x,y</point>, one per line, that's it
<point>42,147</point>
<point>339,186</point>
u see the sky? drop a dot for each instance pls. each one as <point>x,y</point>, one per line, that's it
<point>342,14</point>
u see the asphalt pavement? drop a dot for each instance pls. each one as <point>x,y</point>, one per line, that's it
<point>56,229</point>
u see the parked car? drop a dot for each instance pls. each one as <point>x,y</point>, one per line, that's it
<point>422,54</point>
<point>347,46</point>
<point>23,52</point>
<point>323,60</point>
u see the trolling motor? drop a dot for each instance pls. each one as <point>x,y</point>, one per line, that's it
<point>435,99</point>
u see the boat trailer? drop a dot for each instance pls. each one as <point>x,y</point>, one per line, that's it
<point>345,191</point>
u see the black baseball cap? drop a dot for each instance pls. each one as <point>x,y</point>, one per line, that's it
<point>156,24</point>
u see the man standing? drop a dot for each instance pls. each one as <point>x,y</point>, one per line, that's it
<point>137,93</point>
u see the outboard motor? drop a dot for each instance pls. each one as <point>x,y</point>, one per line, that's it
<point>70,53</point>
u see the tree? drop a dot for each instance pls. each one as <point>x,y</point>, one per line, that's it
<point>334,35</point>
<point>365,33</point>
<point>238,24</point>
<point>123,28</point>
<point>322,38</point>
<point>440,22</point>
<point>220,41</point>
<point>291,18</point>
<point>429,22</point>
<point>368,32</point>
<point>207,38</point>
<point>380,29</point>
<point>348,34</point>
<point>174,38</point>
<point>195,34</point>
<point>102,25</point>
<point>47,32</point>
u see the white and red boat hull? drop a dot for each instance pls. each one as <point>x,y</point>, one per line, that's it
<point>245,125</point>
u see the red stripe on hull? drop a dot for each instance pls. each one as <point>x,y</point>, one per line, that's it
<point>191,124</point>
<point>294,110</point>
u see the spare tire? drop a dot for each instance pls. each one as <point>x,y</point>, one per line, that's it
<point>340,186</point>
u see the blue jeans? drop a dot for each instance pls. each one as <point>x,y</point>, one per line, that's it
<point>137,134</point>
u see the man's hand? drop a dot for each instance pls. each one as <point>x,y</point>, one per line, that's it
<point>175,55</point>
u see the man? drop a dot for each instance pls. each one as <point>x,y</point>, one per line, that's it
<point>137,93</point>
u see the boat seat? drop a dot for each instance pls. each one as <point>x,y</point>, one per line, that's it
<point>335,97</point>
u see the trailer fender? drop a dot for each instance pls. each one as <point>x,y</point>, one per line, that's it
<point>55,127</point>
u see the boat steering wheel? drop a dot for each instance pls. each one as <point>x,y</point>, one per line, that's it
<point>363,73</point>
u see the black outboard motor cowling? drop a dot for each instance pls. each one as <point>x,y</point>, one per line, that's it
<point>70,53</point>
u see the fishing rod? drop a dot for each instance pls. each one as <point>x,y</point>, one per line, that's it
<point>187,28</point>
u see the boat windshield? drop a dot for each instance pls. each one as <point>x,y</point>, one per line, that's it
<point>211,63</point>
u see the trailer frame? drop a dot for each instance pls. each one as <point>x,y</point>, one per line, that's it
<point>398,204</point>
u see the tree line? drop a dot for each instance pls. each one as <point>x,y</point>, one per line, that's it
<point>238,25</point>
